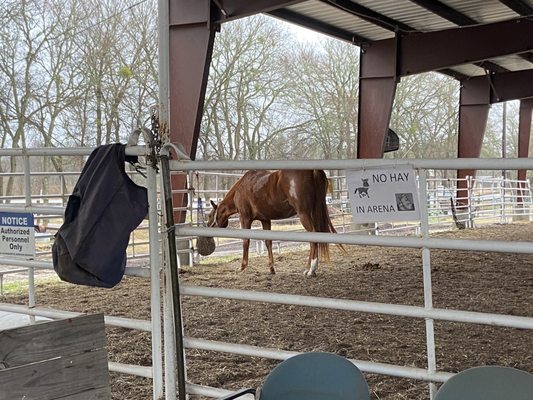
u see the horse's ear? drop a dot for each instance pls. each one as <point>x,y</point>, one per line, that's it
<point>213,204</point>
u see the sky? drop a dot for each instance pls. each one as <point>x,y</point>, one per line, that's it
<point>304,34</point>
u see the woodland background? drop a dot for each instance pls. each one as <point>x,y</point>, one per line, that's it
<point>84,73</point>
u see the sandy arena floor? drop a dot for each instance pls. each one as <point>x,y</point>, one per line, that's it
<point>475,281</point>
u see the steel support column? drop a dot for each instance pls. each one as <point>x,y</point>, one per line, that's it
<point>473,113</point>
<point>377,87</point>
<point>524,133</point>
<point>191,37</point>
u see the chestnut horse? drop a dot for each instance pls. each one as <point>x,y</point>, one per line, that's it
<point>268,195</point>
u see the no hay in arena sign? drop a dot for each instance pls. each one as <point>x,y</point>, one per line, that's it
<point>17,234</point>
<point>383,195</point>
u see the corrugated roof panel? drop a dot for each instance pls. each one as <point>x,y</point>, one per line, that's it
<point>483,11</point>
<point>469,70</point>
<point>334,16</point>
<point>408,13</point>
<point>512,63</point>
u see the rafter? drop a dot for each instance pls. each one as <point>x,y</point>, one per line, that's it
<point>370,15</point>
<point>423,52</point>
<point>446,12</point>
<point>398,26</point>
<point>458,18</point>
<point>518,6</point>
<point>319,26</point>
<point>515,85</point>
<point>233,9</point>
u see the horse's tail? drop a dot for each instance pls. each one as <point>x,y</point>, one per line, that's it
<point>321,220</point>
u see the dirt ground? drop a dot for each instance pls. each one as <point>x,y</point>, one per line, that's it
<point>475,281</point>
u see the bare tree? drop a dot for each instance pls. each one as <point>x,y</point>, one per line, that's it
<point>244,91</point>
<point>323,98</point>
<point>425,116</point>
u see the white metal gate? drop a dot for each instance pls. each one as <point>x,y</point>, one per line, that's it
<point>425,243</point>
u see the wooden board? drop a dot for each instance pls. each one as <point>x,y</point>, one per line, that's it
<point>63,359</point>
<point>47,340</point>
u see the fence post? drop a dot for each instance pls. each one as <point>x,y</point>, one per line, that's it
<point>528,185</point>
<point>426,268</point>
<point>502,200</point>
<point>155,283</point>
<point>31,270</point>
<point>470,192</point>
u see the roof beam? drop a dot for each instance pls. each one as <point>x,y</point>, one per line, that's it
<point>458,18</point>
<point>524,9</point>
<point>233,9</point>
<point>446,12</point>
<point>424,52</point>
<point>318,26</point>
<point>397,26</point>
<point>369,15</point>
<point>518,6</point>
<point>508,86</point>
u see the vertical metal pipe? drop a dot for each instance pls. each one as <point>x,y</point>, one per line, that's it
<point>31,271</point>
<point>163,59</point>
<point>163,107</point>
<point>502,200</point>
<point>169,337</point>
<point>174,278</point>
<point>155,284</point>
<point>426,267</point>
<point>504,134</point>
<point>470,192</point>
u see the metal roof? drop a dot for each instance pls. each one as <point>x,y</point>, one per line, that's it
<point>367,21</point>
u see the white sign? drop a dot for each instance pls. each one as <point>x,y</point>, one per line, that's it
<point>383,195</point>
<point>17,234</point>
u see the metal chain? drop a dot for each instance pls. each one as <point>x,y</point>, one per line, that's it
<point>155,138</point>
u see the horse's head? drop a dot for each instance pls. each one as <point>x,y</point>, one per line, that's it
<point>219,215</point>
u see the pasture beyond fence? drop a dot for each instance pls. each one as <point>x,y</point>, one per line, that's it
<point>489,199</point>
<point>162,335</point>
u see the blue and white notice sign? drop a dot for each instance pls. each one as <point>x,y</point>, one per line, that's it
<point>17,234</point>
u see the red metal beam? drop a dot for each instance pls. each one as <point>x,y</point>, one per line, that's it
<point>431,51</point>
<point>473,113</point>
<point>377,87</point>
<point>524,133</point>
<point>233,9</point>
<point>191,38</point>
<point>506,86</point>
<point>511,85</point>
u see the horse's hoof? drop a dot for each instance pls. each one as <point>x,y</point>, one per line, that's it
<point>272,271</point>
<point>310,274</point>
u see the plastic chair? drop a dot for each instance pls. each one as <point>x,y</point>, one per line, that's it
<point>488,383</point>
<point>312,376</point>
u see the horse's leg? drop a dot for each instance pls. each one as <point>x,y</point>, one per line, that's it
<point>267,225</point>
<point>245,224</point>
<point>312,263</point>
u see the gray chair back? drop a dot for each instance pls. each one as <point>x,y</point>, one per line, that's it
<point>315,376</point>
<point>488,383</point>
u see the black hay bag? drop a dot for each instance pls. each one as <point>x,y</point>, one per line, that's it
<point>205,245</point>
<point>104,208</point>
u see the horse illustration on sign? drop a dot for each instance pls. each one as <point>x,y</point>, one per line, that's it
<point>363,190</point>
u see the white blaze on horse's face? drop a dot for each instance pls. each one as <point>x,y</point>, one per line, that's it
<point>292,189</point>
